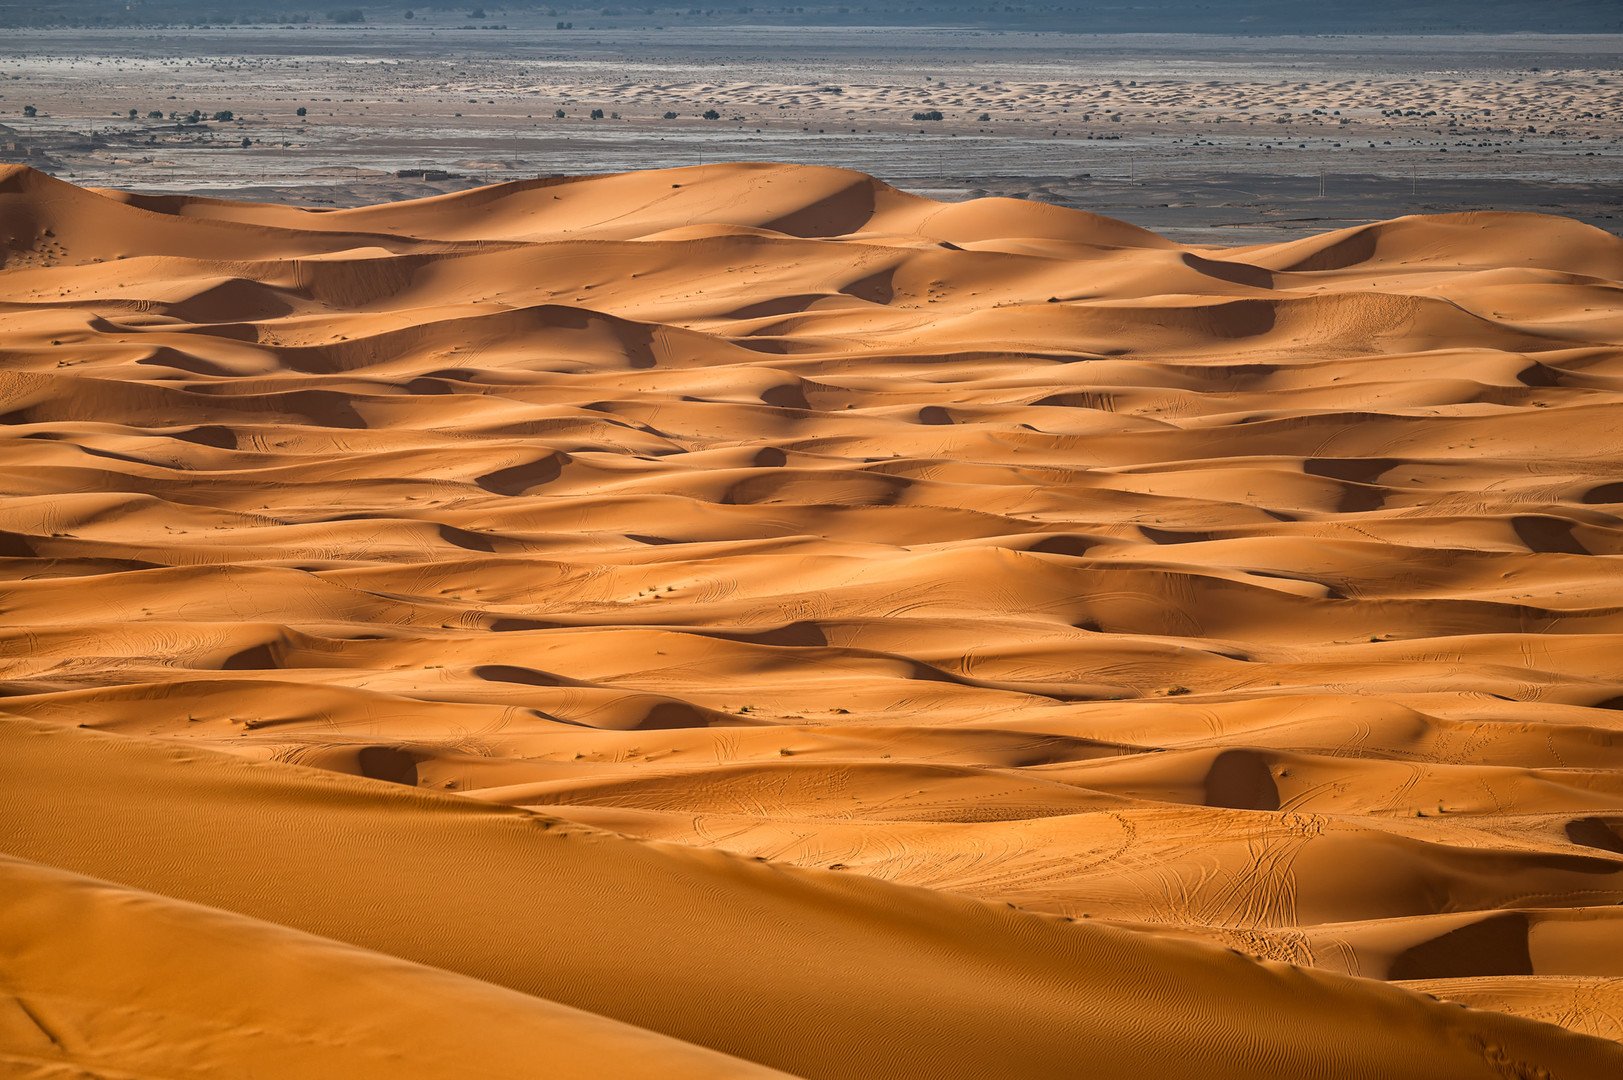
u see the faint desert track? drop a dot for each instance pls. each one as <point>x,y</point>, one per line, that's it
<point>1272,596</point>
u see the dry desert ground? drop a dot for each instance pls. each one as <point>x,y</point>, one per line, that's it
<point>1205,139</point>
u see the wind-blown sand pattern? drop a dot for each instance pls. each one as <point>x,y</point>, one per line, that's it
<point>750,621</point>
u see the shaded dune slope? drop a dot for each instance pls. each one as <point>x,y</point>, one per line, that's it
<point>948,557</point>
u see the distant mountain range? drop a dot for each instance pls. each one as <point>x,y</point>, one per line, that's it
<point>1090,16</point>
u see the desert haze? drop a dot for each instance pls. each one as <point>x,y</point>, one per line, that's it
<point>750,621</point>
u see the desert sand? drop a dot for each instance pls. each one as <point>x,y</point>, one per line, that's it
<point>747,620</point>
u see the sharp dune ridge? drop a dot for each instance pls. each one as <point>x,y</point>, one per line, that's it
<point>750,620</point>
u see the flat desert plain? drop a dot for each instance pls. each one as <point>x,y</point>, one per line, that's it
<point>1205,139</point>
<point>747,620</point>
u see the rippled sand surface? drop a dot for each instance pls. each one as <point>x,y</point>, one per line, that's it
<point>750,621</point>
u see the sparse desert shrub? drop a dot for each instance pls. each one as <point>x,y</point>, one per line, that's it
<point>557,114</point>
<point>155,114</point>
<point>30,110</point>
<point>597,114</point>
<point>711,114</point>
<point>670,116</point>
<point>933,114</point>
<point>225,115</point>
<point>301,111</point>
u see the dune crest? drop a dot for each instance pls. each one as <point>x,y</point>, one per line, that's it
<point>751,618</point>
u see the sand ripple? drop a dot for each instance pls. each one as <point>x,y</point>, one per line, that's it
<point>1263,596</point>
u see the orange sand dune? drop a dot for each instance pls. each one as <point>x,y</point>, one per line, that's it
<point>103,980</point>
<point>817,974</point>
<point>829,631</point>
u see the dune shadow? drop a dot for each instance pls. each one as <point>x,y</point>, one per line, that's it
<point>521,478</point>
<point>1496,945</point>
<point>388,763</point>
<point>1241,780</point>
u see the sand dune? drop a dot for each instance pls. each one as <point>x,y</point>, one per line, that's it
<point>828,631</point>
<point>819,974</point>
<point>104,980</point>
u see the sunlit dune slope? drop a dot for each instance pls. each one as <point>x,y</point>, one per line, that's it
<point>819,974</point>
<point>104,980</point>
<point>810,614</point>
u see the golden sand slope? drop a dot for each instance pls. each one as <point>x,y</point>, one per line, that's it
<point>112,982</point>
<point>991,571</point>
